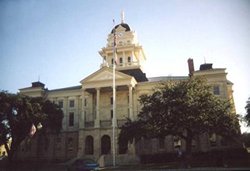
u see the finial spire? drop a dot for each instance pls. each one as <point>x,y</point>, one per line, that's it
<point>122,16</point>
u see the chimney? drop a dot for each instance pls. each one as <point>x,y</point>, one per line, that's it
<point>190,66</point>
<point>38,84</point>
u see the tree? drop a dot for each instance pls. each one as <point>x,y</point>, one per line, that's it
<point>20,115</point>
<point>185,109</point>
<point>246,139</point>
<point>247,116</point>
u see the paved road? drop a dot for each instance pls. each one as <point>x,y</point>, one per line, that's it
<point>59,167</point>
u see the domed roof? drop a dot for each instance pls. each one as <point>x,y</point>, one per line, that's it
<point>124,25</point>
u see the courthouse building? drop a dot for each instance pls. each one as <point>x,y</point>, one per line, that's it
<point>88,107</point>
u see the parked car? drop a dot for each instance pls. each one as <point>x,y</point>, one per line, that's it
<point>83,165</point>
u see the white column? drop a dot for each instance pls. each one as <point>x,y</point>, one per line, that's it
<point>81,120</point>
<point>130,87</point>
<point>97,119</point>
<point>82,116</point>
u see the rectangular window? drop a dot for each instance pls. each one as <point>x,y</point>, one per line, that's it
<point>85,102</point>
<point>111,114</point>
<point>71,119</point>
<point>60,104</point>
<point>111,100</point>
<point>216,90</point>
<point>71,103</point>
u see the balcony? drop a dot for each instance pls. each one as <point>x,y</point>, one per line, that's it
<point>105,123</point>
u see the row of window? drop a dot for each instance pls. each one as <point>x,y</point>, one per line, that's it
<point>105,145</point>
<point>120,60</point>
<point>216,91</point>
<point>120,43</point>
<point>71,103</point>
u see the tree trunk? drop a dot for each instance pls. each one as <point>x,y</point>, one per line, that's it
<point>7,148</point>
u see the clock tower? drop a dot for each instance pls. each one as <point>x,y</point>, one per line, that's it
<point>130,55</point>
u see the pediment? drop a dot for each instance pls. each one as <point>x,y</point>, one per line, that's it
<point>105,74</point>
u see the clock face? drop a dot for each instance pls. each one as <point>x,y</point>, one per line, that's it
<point>120,34</point>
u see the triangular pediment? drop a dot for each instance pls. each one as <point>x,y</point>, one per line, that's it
<point>105,74</point>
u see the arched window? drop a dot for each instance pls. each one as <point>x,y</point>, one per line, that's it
<point>89,145</point>
<point>105,144</point>
<point>121,60</point>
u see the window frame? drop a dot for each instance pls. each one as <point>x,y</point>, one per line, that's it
<point>71,119</point>
<point>216,90</point>
<point>60,103</point>
<point>72,103</point>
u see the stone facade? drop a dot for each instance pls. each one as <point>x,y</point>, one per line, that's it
<point>88,108</point>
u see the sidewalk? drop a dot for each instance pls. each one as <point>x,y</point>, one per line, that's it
<point>174,169</point>
<point>170,167</point>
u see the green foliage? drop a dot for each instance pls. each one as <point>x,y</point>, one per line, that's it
<point>246,139</point>
<point>247,117</point>
<point>18,113</point>
<point>185,109</point>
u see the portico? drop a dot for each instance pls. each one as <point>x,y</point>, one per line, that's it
<point>97,112</point>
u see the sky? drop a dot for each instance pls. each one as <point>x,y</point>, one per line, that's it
<point>57,41</point>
